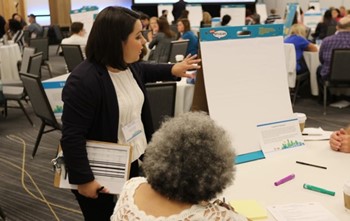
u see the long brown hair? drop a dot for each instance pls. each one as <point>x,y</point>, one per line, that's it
<point>165,28</point>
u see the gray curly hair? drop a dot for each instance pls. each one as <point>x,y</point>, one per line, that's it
<point>189,159</point>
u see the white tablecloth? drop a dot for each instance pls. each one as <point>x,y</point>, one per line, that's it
<point>255,180</point>
<point>291,63</point>
<point>184,97</point>
<point>9,57</point>
<point>312,62</point>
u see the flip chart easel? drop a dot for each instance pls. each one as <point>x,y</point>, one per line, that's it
<point>291,9</point>
<point>244,81</point>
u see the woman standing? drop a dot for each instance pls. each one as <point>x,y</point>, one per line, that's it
<point>104,96</point>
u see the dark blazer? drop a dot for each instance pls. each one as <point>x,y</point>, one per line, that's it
<point>178,7</point>
<point>91,111</point>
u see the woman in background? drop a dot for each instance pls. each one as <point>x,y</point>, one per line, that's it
<point>16,33</point>
<point>153,28</point>
<point>206,20</point>
<point>188,162</point>
<point>322,27</point>
<point>184,29</point>
<point>162,42</point>
<point>297,37</point>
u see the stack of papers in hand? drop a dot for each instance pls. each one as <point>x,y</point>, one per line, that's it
<point>311,133</point>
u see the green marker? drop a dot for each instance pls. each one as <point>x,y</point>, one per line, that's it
<point>318,189</point>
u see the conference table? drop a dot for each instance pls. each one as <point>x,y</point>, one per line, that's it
<point>53,88</point>
<point>9,56</point>
<point>255,180</point>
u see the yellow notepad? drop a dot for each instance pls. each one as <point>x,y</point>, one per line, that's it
<point>249,208</point>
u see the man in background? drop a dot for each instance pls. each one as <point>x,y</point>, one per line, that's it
<point>34,28</point>
<point>178,8</point>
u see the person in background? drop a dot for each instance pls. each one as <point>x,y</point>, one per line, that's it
<point>153,28</point>
<point>2,26</point>
<point>78,36</point>
<point>184,29</point>
<point>184,14</point>
<point>16,33</point>
<point>20,19</point>
<point>162,41</point>
<point>225,20</point>
<point>145,21</point>
<point>340,40</point>
<point>343,11</point>
<point>297,37</point>
<point>34,28</point>
<point>206,20</point>
<point>336,14</point>
<point>178,8</point>
<point>272,17</point>
<point>180,187</point>
<point>321,28</point>
<point>164,14</point>
<point>104,96</point>
<point>340,140</point>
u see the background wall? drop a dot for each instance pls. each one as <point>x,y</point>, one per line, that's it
<point>280,5</point>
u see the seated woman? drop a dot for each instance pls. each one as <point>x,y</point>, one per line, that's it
<point>184,29</point>
<point>206,21</point>
<point>16,33</point>
<point>152,29</point>
<point>162,41</point>
<point>340,140</point>
<point>187,163</point>
<point>298,38</point>
<point>321,30</point>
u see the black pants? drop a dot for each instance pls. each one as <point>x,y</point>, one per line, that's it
<point>101,209</point>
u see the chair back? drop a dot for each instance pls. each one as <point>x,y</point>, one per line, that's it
<point>41,45</point>
<point>177,48</point>
<point>58,33</point>
<point>72,55</point>
<point>45,31</point>
<point>26,34</point>
<point>340,66</point>
<point>35,64</point>
<point>27,52</point>
<point>162,101</point>
<point>38,98</point>
<point>331,30</point>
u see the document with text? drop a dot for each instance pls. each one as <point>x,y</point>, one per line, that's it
<point>109,162</point>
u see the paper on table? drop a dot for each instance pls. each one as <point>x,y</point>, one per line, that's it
<point>311,211</point>
<point>249,208</point>
<point>312,133</point>
<point>279,136</point>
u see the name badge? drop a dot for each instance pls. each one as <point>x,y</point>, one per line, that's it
<point>132,130</point>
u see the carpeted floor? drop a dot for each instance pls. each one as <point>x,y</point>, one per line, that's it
<point>26,185</point>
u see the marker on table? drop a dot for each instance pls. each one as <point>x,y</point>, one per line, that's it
<point>310,134</point>
<point>312,165</point>
<point>285,179</point>
<point>318,189</point>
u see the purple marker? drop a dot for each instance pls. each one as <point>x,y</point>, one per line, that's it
<point>287,178</point>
